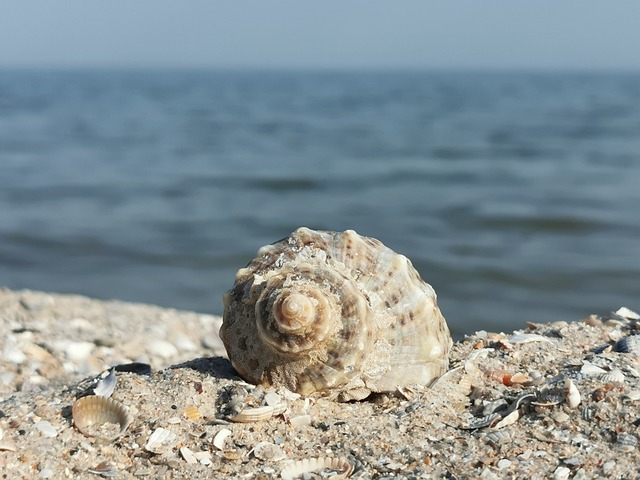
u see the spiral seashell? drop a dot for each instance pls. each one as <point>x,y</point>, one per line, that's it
<point>334,312</point>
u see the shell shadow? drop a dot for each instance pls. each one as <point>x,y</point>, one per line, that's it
<point>218,367</point>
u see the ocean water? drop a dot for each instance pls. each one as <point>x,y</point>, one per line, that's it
<point>517,196</point>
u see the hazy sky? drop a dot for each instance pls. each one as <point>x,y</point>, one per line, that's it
<point>549,34</point>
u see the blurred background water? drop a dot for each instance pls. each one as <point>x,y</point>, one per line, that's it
<point>517,196</point>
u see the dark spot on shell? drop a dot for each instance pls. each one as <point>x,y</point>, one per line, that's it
<point>254,364</point>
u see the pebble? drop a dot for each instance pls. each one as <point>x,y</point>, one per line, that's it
<point>78,351</point>
<point>185,344</point>
<point>46,428</point>
<point>608,467</point>
<point>14,355</point>
<point>504,464</point>
<point>268,452</point>
<point>162,348</point>
<point>46,473</point>
<point>561,473</point>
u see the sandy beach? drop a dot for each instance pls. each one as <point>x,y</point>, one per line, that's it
<point>545,401</point>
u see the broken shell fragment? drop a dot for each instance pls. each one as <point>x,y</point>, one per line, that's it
<point>220,438</point>
<point>104,469</point>
<point>249,415</point>
<point>192,413</point>
<point>629,344</point>
<point>528,338</point>
<point>341,466</point>
<point>100,417</point>
<point>268,452</point>
<point>107,385</point>
<point>161,441</point>
<point>614,376</point>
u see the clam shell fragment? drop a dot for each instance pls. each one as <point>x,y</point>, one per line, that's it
<point>100,417</point>
<point>341,466</point>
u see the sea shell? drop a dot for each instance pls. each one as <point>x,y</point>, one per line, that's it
<point>572,394</point>
<point>614,376</point>
<point>301,467</point>
<point>100,417</point>
<point>335,313</point>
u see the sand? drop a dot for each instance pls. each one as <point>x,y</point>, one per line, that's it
<point>547,401</point>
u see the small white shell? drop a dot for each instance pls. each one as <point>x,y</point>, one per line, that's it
<point>627,313</point>
<point>249,415</point>
<point>268,452</point>
<point>94,413</point>
<point>589,368</point>
<point>107,385</point>
<point>105,469</point>
<point>300,467</point>
<point>572,395</point>
<point>528,338</point>
<point>628,344</point>
<point>220,438</point>
<point>161,441</point>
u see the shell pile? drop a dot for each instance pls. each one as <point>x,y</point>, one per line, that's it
<point>336,313</point>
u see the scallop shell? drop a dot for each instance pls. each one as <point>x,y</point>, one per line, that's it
<point>93,414</point>
<point>334,312</point>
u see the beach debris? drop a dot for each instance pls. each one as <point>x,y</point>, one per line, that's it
<point>628,344</point>
<point>248,404</point>
<point>268,452</point>
<point>138,368</point>
<point>107,385</point>
<point>161,440</point>
<point>300,421</point>
<point>221,437</point>
<point>100,417</point>
<point>589,368</point>
<point>5,444</point>
<point>572,395</point>
<point>249,415</point>
<point>626,314</point>
<point>329,467</point>
<point>188,455</point>
<point>614,376</point>
<point>498,437</point>
<point>46,428</point>
<point>528,338</point>
<point>105,469</point>
<point>192,413</point>
<point>626,442</point>
<point>297,310</point>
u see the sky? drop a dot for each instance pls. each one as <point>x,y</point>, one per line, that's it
<point>336,34</point>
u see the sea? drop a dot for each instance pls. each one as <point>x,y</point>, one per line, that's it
<point>516,195</point>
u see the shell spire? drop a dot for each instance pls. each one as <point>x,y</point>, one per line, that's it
<point>336,313</point>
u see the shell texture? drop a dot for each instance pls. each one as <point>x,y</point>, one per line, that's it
<point>94,412</point>
<point>336,313</point>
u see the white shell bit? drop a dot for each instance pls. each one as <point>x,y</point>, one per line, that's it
<point>334,312</point>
